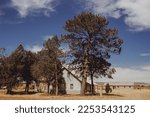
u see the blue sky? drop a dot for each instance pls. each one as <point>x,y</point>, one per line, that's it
<point>30,22</point>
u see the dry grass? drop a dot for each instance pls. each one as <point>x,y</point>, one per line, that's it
<point>117,94</point>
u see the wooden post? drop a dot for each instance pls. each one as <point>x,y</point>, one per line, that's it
<point>100,91</point>
<point>35,88</point>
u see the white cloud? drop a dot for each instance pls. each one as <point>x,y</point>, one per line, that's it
<point>35,48</point>
<point>135,12</point>
<point>145,54</point>
<point>45,38</point>
<point>26,7</point>
<point>105,7</point>
<point>142,74</point>
<point>135,75</point>
<point>146,68</point>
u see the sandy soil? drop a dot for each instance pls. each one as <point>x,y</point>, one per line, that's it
<point>117,94</point>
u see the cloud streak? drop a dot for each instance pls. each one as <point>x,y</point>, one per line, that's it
<point>145,54</point>
<point>28,7</point>
<point>135,12</point>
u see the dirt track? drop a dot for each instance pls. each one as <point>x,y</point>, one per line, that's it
<point>117,94</point>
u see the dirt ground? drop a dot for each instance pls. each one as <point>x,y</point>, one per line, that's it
<point>117,94</point>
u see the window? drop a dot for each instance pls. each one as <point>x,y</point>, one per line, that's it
<point>71,86</point>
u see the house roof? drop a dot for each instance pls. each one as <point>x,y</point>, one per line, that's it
<point>64,68</point>
<point>76,77</point>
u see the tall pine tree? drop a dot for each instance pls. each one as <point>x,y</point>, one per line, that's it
<point>88,35</point>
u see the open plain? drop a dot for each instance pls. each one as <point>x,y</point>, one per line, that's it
<point>117,94</point>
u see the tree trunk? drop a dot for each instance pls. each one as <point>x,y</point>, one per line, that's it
<point>48,85</point>
<point>9,90</point>
<point>27,87</point>
<point>56,88</point>
<point>84,77</point>
<point>83,86</point>
<point>92,84</point>
<point>56,79</point>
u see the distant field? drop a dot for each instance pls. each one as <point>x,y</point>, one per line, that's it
<point>117,94</point>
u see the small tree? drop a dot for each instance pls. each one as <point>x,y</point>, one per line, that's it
<point>107,88</point>
<point>29,59</point>
<point>2,68</point>
<point>88,34</point>
<point>48,64</point>
<point>17,65</point>
<point>52,46</point>
<point>13,67</point>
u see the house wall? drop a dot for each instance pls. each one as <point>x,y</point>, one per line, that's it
<point>72,84</point>
<point>42,87</point>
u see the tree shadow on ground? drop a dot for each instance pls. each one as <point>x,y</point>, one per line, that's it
<point>23,93</point>
<point>104,94</point>
<point>110,94</point>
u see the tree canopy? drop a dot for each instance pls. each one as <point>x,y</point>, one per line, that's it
<point>49,65</point>
<point>91,43</point>
<point>90,39</point>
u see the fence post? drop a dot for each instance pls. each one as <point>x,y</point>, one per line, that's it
<point>101,89</point>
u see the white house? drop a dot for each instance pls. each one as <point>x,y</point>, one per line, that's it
<point>73,83</point>
<point>70,83</point>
